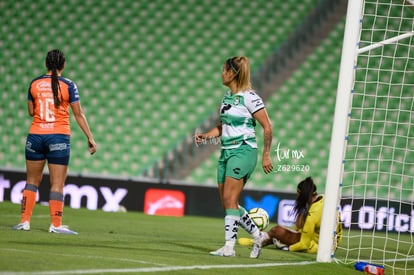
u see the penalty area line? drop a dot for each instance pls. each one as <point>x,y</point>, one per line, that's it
<point>156,269</point>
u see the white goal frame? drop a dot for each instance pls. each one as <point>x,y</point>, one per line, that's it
<point>340,126</point>
<point>350,52</point>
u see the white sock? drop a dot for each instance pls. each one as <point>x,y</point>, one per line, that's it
<point>230,229</point>
<point>248,225</point>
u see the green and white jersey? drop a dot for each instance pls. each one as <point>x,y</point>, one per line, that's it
<point>236,115</point>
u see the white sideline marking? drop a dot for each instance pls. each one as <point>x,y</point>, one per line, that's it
<point>155,269</point>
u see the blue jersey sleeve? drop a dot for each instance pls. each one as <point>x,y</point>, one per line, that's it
<point>73,93</point>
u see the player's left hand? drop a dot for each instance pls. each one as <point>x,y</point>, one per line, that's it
<point>267,164</point>
<point>91,146</point>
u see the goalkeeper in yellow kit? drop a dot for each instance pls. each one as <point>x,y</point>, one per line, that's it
<point>305,235</point>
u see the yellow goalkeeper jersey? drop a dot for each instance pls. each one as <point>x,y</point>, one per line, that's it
<point>309,238</point>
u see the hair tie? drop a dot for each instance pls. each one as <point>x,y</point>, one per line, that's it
<point>232,66</point>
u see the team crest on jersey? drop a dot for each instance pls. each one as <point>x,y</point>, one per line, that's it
<point>236,101</point>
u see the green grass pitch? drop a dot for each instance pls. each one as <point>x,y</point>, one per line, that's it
<point>130,243</point>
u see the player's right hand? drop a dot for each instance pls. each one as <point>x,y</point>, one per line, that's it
<point>199,138</point>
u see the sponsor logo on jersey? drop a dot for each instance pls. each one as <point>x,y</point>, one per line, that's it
<point>44,86</point>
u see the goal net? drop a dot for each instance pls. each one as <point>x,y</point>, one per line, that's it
<point>371,167</point>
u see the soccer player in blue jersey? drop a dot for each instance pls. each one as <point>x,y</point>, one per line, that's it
<point>50,97</point>
<point>240,108</point>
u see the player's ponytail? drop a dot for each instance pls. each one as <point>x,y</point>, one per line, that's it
<point>305,191</point>
<point>55,61</point>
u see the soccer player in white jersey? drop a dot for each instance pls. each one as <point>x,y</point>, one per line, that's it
<point>240,108</point>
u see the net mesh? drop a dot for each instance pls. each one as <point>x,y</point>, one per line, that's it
<point>378,178</point>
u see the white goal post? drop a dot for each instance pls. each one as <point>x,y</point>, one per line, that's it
<point>340,125</point>
<point>383,90</point>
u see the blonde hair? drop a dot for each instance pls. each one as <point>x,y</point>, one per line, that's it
<point>241,67</point>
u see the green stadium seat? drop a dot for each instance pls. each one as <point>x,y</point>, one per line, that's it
<point>159,65</point>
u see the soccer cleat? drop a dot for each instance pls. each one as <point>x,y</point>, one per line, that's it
<point>257,245</point>
<point>225,251</point>
<point>22,226</point>
<point>63,229</point>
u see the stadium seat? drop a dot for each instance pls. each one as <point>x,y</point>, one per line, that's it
<point>301,112</point>
<point>149,73</point>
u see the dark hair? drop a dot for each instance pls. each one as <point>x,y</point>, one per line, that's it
<point>55,60</point>
<point>306,190</point>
